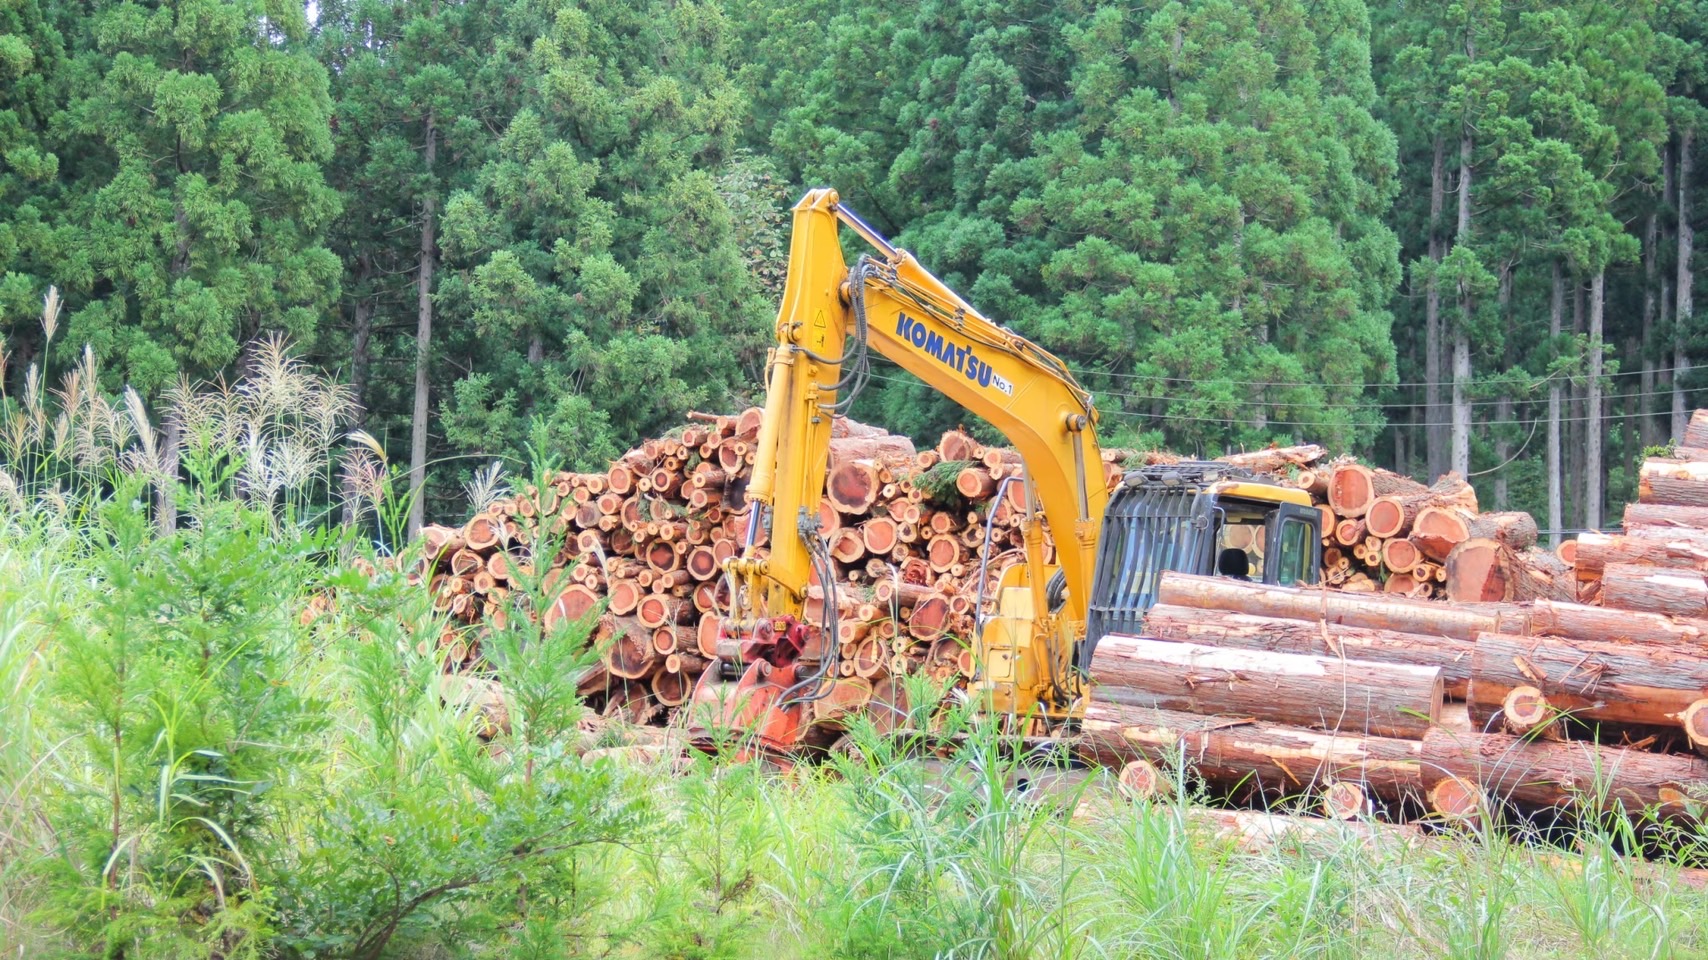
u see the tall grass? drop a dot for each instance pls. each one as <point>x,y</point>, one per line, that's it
<point>197,761</point>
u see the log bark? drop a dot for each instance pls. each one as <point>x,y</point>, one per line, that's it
<point>1673,592</point>
<point>1664,516</point>
<point>1576,776</point>
<point>1452,656</point>
<point>1273,758</point>
<point>1385,699</point>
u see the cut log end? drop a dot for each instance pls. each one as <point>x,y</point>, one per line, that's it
<point>1526,709</point>
<point>1141,780</point>
<point>1344,800</point>
<point>1695,720</point>
<point>1457,800</point>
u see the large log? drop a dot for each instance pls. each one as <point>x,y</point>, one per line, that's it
<point>1459,621</point>
<point>1484,570</point>
<point>1578,776</point>
<point>1640,682</point>
<point>1353,487</point>
<point>1361,696</point>
<point>1393,515</point>
<point>1677,593</point>
<point>1247,632</point>
<point>1275,759</point>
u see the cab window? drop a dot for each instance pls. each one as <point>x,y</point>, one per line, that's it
<point>1295,553</point>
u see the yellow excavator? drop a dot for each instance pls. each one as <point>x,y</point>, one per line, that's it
<point>1033,651</point>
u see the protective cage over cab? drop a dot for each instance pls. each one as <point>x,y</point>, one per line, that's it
<point>1198,517</point>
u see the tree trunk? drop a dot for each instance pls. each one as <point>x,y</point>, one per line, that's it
<point>1664,516</point>
<point>423,342</point>
<point>1434,414</point>
<point>1275,760</point>
<point>1574,424</point>
<point>1592,425</point>
<point>1503,405</point>
<point>1648,435</point>
<point>1675,482</point>
<point>1218,628</point>
<point>1686,309</point>
<point>1462,332</point>
<point>166,492</point>
<point>1535,773</point>
<point>1556,495</point>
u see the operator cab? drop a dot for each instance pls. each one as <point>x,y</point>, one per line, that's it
<point>1196,517</point>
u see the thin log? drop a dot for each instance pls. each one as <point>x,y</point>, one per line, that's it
<point>1275,460</point>
<point>1310,603</point>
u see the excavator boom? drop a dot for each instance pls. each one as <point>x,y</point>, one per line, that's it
<point>831,316</point>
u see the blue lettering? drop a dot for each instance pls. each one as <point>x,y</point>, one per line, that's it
<point>984,374</point>
<point>960,358</point>
<point>933,343</point>
<point>904,326</point>
<point>972,367</point>
<point>917,335</point>
<point>946,353</point>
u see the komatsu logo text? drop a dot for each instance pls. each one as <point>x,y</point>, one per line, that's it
<point>958,358</point>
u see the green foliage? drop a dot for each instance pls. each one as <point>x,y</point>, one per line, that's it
<point>194,135</point>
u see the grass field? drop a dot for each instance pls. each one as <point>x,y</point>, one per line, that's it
<point>190,767</point>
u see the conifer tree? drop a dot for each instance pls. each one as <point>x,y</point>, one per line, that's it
<point>194,136</point>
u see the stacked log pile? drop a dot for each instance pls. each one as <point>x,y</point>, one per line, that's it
<point>1389,533</point>
<point>642,546</point>
<point>1380,703</point>
<point>1659,562</point>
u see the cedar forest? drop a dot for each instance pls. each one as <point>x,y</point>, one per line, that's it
<point>1452,235</point>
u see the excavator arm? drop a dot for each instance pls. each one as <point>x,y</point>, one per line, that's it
<point>830,317</point>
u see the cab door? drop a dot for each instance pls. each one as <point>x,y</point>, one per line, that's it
<point>1294,553</point>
